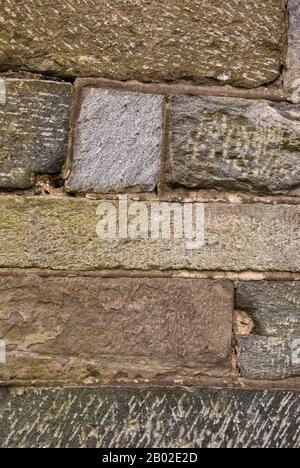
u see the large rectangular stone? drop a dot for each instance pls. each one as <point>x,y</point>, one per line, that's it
<point>273,350</point>
<point>235,144</point>
<point>81,328</point>
<point>292,72</point>
<point>34,124</point>
<point>60,233</point>
<point>117,142</point>
<point>149,418</point>
<point>202,40</point>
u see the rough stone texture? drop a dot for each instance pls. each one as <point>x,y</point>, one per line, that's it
<point>150,418</point>
<point>112,328</point>
<point>199,39</point>
<point>292,75</point>
<point>61,234</point>
<point>34,121</point>
<point>235,144</point>
<point>273,351</point>
<point>117,143</point>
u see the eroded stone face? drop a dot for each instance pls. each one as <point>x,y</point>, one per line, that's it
<point>235,144</point>
<point>34,124</point>
<point>273,350</point>
<point>104,329</point>
<point>149,418</point>
<point>202,40</point>
<point>292,75</point>
<point>62,234</point>
<point>117,144</point>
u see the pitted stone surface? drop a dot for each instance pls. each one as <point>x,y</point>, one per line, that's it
<point>34,123</point>
<point>203,40</point>
<point>292,75</point>
<point>235,144</point>
<point>273,350</point>
<point>61,234</point>
<point>117,143</point>
<point>71,329</point>
<point>150,418</point>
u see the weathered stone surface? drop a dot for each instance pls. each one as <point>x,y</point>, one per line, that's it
<point>235,144</point>
<point>117,143</point>
<point>114,328</point>
<point>34,121</point>
<point>273,305</point>
<point>198,39</point>
<point>261,357</point>
<point>273,351</point>
<point>150,418</point>
<point>292,75</point>
<point>61,234</point>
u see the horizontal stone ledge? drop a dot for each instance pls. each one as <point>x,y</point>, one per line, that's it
<point>236,277</point>
<point>60,233</point>
<point>186,418</point>
<point>148,41</point>
<point>271,93</point>
<point>182,195</point>
<point>78,329</point>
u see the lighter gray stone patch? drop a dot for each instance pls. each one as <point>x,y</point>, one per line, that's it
<point>150,418</point>
<point>2,92</point>
<point>118,142</point>
<point>235,144</point>
<point>292,73</point>
<point>261,357</point>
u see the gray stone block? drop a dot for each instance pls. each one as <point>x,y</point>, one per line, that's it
<point>273,350</point>
<point>202,40</point>
<point>292,74</point>
<point>235,144</point>
<point>118,141</point>
<point>149,418</point>
<point>34,125</point>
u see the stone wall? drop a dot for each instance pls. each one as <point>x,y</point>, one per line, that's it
<point>111,114</point>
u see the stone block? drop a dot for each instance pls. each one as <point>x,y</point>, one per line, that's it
<point>235,144</point>
<point>117,143</point>
<point>200,40</point>
<point>34,126</point>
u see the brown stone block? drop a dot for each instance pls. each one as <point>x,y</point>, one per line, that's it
<point>84,329</point>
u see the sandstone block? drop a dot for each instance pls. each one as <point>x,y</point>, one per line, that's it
<point>202,40</point>
<point>34,124</point>
<point>61,233</point>
<point>78,328</point>
<point>235,144</point>
<point>117,143</point>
